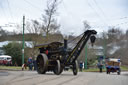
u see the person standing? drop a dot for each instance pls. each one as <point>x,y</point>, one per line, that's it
<point>34,64</point>
<point>30,63</point>
<point>81,66</point>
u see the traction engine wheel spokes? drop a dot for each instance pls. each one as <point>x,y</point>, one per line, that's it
<point>57,69</point>
<point>75,68</point>
<point>42,63</point>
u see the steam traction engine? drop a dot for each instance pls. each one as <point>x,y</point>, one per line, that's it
<point>56,56</point>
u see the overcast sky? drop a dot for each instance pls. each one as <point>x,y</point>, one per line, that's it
<point>71,13</point>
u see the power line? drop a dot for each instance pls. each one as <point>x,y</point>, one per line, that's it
<point>25,10</point>
<point>3,12</point>
<point>70,41</point>
<point>10,10</point>
<point>122,23</point>
<point>100,9</point>
<point>5,16</point>
<point>21,9</point>
<point>124,17</point>
<point>121,18</point>
<point>33,5</point>
<point>69,13</point>
<point>96,13</point>
<point>106,16</point>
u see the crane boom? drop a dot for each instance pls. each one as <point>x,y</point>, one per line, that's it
<point>80,45</point>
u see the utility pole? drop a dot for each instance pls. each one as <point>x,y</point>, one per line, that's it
<point>104,48</point>
<point>23,40</point>
<point>85,65</point>
<point>104,51</point>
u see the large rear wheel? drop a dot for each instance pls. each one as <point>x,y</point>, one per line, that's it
<point>75,68</point>
<point>42,60</point>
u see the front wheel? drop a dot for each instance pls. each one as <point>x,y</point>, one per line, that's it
<point>57,70</point>
<point>75,68</point>
<point>118,72</point>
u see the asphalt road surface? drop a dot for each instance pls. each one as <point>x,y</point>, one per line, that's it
<point>66,78</point>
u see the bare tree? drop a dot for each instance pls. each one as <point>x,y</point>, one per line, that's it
<point>127,32</point>
<point>2,32</point>
<point>33,27</point>
<point>114,34</point>
<point>32,33</point>
<point>50,24</point>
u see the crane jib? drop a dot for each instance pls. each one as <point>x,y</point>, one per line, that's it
<point>79,47</point>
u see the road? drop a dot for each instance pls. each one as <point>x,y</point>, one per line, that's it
<point>66,78</point>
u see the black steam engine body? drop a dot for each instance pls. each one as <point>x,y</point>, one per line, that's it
<point>56,56</point>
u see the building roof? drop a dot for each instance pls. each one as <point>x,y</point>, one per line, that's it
<point>5,56</point>
<point>27,43</point>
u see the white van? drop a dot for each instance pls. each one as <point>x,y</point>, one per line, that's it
<point>5,60</point>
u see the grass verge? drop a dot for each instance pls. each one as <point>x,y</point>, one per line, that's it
<point>123,68</point>
<point>10,68</point>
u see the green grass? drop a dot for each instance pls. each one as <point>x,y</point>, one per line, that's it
<point>10,68</point>
<point>92,70</point>
<point>123,68</point>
